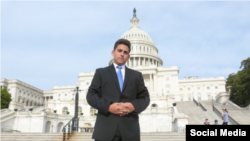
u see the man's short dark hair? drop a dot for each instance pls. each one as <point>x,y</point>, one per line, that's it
<point>124,42</point>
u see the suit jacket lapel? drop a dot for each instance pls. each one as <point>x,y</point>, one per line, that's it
<point>113,73</point>
<point>127,74</point>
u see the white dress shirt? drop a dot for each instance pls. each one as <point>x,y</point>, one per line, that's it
<point>122,70</point>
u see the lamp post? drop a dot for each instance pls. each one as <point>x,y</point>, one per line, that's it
<point>76,121</point>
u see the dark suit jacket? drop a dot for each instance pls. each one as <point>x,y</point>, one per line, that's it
<point>105,90</point>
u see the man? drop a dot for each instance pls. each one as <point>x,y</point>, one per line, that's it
<point>225,116</point>
<point>206,122</point>
<point>216,122</point>
<point>119,95</point>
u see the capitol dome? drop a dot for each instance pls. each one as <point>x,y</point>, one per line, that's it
<point>143,51</point>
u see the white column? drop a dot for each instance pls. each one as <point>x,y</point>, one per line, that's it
<point>134,62</point>
<point>155,79</point>
<point>139,62</point>
<point>150,79</point>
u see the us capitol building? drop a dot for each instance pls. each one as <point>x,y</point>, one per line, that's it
<point>53,109</point>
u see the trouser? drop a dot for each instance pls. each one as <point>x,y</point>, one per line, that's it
<point>225,123</point>
<point>117,136</point>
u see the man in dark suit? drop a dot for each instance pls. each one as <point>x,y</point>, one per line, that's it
<point>119,94</point>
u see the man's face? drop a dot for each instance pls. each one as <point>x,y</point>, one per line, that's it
<point>121,54</point>
<point>206,120</point>
<point>216,122</point>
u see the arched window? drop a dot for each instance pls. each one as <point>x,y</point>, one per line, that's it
<point>31,102</point>
<point>93,111</point>
<point>19,99</point>
<point>208,96</point>
<point>199,96</point>
<point>79,110</point>
<point>154,107</point>
<point>65,110</point>
<point>27,102</point>
<point>23,100</point>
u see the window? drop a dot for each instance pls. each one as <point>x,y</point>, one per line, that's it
<point>132,35</point>
<point>208,97</point>
<point>140,48</point>
<point>143,48</point>
<point>154,107</point>
<point>189,98</point>
<point>216,87</point>
<point>65,94</point>
<point>87,83</point>
<point>208,88</point>
<point>180,89</point>
<point>146,80</point>
<point>65,110</point>
<point>168,90</point>
<point>167,78</point>
<point>93,111</point>
<point>199,96</point>
<point>8,89</point>
<point>198,88</point>
<point>188,88</point>
<point>135,34</point>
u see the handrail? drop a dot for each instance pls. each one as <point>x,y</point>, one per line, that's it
<point>202,107</point>
<point>195,102</point>
<point>70,128</point>
<point>229,117</point>
<point>238,107</point>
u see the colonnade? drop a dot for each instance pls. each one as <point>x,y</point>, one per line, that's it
<point>142,61</point>
<point>46,100</point>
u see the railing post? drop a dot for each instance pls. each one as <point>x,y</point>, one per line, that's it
<point>64,130</point>
<point>68,131</point>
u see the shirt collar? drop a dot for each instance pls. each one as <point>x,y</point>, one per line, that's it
<point>115,65</point>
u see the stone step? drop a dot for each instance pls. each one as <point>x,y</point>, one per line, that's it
<point>153,136</point>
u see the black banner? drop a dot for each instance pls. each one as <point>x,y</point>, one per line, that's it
<point>217,132</point>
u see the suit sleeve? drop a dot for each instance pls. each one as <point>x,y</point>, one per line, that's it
<point>94,97</point>
<point>142,101</point>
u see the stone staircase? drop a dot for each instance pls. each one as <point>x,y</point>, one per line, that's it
<point>152,136</point>
<point>241,116</point>
<point>6,115</point>
<point>196,114</point>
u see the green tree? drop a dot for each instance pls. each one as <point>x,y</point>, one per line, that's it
<point>5,98</point>
<point>240,84</point>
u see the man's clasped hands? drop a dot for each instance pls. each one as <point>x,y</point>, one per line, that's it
<point>121,108</point>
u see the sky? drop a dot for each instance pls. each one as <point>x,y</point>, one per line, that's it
<point>48,43</point>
